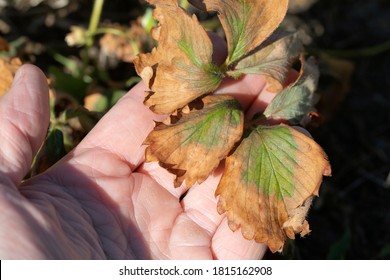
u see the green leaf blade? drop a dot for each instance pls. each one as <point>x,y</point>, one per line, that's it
<point>269,168</point>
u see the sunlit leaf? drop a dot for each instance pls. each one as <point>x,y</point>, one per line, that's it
<point>270,179</point>
<point>247,23</point>
<point>268,184</point>
<point>297,100</point>
<point>180,69</point>
<point>273,59</point>
<point>192,147</point>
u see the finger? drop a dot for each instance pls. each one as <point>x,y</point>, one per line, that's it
<point>163,178</point>
<point>220,51</point>
<point>200,203</point>
<point>246,89</point>
<point>153,169</point>
<point>265,96</point>
<point>24,119</point>
<point>200,206</point>
<point>250,90</point>
<point>231,245</point>
<point>123,129</point>
<point>260,102</point>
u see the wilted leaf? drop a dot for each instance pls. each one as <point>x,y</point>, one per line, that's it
<point>296,101</point>
<point>272,176</point>
<point>192,147</point>
<point>272,59</point>
<point>124,43</point>
<point>122,48</point>
<point>180,69</point>
<point>268,184</point>
<point>76,37</point>
<point>247,23</point>
<point>8,68</point>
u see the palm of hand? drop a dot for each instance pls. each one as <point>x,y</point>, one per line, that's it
<point>101,200</point>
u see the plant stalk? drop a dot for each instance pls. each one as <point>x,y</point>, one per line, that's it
<point>92,28</point>
<point>94,21</point>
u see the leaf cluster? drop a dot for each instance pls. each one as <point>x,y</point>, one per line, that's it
<point>271,170</point>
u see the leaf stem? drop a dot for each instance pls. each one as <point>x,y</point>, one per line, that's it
<point>92,28</point>
<point>94,21</point>
<point>113,31</point>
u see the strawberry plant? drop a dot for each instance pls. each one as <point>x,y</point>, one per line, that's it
<point>272,171</point>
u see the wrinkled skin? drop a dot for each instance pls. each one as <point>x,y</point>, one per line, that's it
<point>101,201</point>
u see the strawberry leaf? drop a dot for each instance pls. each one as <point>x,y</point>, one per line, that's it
<point>192,147</point>
<point>268,184</point>
<point>247,23</point>
<point>270,58</point>
<point>270,179</point>
<point>180,69</point>
<point>296,101</point>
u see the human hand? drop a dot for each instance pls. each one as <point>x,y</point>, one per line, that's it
<point>102,201</point>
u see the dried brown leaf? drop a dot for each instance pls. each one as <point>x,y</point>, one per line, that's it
<point>268,183</point>
<point>8,68</point>
<point>180,69</point>
<point>272,59</point>
<point>192,147</point>
<point>247,23</point>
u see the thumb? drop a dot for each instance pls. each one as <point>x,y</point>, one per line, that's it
<point>24,119</point>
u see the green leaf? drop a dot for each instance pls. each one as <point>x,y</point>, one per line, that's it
<point>272,161</point>
<point>295,102</point>
<point>192,147</point>
<point>74,86</point>
<point>268,184</point>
